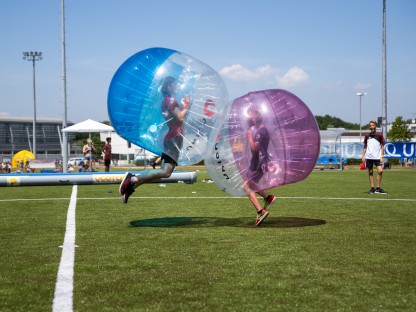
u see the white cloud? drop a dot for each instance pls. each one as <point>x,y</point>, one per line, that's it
<point>293,77</point>
<point>240,73</point>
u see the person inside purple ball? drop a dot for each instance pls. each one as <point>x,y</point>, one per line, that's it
<point>258,139</point>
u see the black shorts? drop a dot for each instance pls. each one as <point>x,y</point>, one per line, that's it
<point>172,150</point>
<point>165,158</point>
<point>254,176</point>
<point>107,162</point>
<point>370,162</point>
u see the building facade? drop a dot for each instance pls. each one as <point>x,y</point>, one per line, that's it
<point>16,134</point>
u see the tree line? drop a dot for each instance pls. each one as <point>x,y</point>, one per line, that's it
<point>399,131</point>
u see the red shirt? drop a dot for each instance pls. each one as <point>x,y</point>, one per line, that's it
<point>107,151</point>
<point>175,126</point>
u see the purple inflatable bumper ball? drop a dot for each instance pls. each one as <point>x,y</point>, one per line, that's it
<point>269,138</point>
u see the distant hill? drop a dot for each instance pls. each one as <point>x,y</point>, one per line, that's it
<point>327,121</point>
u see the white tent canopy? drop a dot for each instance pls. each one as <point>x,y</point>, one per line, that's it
<point>89,125</point>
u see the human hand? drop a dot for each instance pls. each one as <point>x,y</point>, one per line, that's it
<point>186,101</point>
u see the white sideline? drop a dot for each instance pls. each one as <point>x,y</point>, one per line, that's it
<point>369,198</point>
<point>63,298</point>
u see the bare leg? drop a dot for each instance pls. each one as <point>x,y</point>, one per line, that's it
<point>379,175</point>
<point>370,177</point>
<point>253,198</point>
<point>165,171</point>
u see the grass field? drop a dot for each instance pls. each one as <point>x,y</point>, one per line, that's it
<point>327,245</point>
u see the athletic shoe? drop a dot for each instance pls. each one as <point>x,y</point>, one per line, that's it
<point>126,188</point>
<point>372,191</point>
<point>380,191</point>
<point>268,201</point>
<point>125,183</point>
<point>126,195</point>
<point>261,215</point>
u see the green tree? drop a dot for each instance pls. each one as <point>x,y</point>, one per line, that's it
<point>327,121</point>
<point>399,131</point>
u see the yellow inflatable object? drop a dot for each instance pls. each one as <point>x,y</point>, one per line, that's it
<point>21,156</point>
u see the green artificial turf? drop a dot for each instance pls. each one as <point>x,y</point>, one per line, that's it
<point>327,245</point>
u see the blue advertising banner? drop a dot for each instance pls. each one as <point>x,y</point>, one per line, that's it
<point>354,150</point>
<point>400,150</point>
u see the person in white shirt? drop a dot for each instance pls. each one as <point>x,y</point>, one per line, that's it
<point>373,154</point>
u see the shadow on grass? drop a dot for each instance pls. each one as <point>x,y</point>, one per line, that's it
<point>271,222</point>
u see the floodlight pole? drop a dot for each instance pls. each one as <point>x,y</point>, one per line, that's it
<point>65,120</point>
<point>33,57</point>
<point>384,70</point>
<point>360,94</point>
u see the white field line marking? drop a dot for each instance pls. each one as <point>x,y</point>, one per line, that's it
<point>373,198</point>
<point>63,299</point>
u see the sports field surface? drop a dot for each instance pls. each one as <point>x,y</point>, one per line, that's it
<point>327,245</point>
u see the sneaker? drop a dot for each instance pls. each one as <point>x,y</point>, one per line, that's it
<point>261,215</point>
<point>125,183</point>
<point>126,188</point>
<point>372,191</point>
<point>268,201</point>
<point>379,190</point>
<point>126,195</point>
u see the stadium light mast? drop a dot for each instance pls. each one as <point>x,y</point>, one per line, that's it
<point>64,96</point>
<point>360,94</point>
<point>33,57</point>
<point>384,70</point>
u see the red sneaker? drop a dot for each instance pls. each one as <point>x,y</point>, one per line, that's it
<point>126,188</point>
<point>268,201</point>
<point>261,215</point>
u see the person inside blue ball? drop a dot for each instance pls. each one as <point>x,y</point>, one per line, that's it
<point>258,140</point>
<point>174,114</point>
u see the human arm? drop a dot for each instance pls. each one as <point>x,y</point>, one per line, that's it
<point>106,149</point>
<point>254,146</point>
<point>382,153</point>
<point>180,113</point>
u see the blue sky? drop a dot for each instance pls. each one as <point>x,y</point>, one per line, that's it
<point>324,51</point>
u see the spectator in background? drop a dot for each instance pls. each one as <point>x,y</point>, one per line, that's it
<point>81,167</point>
<point>87,150</point>
<point>373,155</point>
<point>157,161</point>
<point>107,154</point>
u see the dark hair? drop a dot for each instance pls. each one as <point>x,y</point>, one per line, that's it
<point>108,139</point>
<point>255,116</point>
<point>169,80</point>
